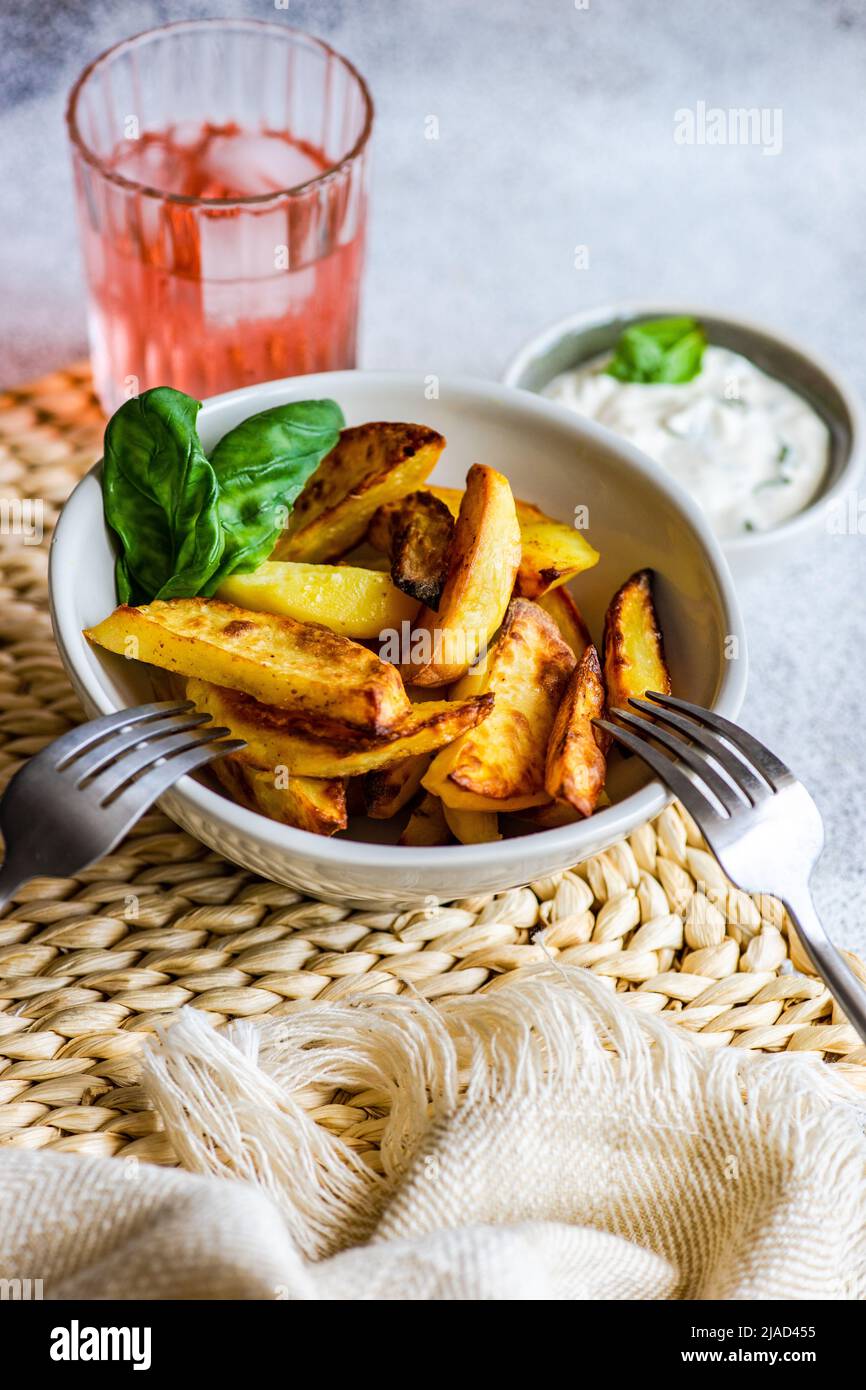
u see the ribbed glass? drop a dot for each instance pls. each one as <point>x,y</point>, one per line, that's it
<point>203,292</point>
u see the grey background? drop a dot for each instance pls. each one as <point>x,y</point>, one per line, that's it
<point>556,130</point>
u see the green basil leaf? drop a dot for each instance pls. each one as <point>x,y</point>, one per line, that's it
<point>261,466</point>
<point>682,362</point>
<point>660,350</point>
<point>161,496</point>
<point>125,587</point>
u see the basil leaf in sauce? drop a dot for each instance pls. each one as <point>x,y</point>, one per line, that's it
<point>659,351</point>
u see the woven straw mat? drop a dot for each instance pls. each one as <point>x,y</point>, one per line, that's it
<point>89,965</point>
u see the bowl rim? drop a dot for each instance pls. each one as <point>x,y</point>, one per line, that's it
<point>625,309</point>
<point>619,819</point>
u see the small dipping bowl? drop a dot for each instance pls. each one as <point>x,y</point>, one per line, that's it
<point>577,339</point>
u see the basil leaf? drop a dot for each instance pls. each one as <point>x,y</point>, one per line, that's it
<point>682,362</point>
<point>160,496</point>
<point>660,350</point>
<point>261,466</point>
<point>125,586</point>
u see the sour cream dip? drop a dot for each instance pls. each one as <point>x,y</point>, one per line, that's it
<point>749,449</point>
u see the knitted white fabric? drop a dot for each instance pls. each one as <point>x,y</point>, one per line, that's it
<point>541,1141</point>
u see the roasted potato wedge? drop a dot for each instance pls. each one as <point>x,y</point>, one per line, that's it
<point>634,657</point>
<point>568,618</point>
<point>308,803</point>
<point>527,672</point>
<point>389,789</point>
<point>370,465</point>
<point>364,557</point>
<point>351,601</point>
<point>416,533</point>
<point>427,825</point>
<point>552,553</point>
<point>472,827</point>
<point>300,667</point>
<point>575,768</point>
<point>483,561</point>
<point>273,740</point>
<point>552,816</point>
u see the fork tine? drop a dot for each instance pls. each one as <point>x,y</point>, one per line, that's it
<point>771,768</point>
<point>84,736</point>
<point>682,786</point>
<point>724,793</point>
<point>137,796</point>
<point>115,748</point>
<point>140,759</point>
<point>753,788</point>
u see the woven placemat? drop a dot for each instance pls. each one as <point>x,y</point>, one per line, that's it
<point>89,965</point>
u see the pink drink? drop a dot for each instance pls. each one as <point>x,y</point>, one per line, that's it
<point>221,252</point>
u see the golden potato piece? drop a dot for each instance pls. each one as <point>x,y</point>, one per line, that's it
<point>370,465</point>
<point>634,658</point>
<point>351,601</point>
<point>273,739</point>
<point>389,789</point>
<point>453,497</point>
<point>552,816</point>
<point>483,560</point>
<point>552,553</point>
<point>568,618</point>
<point>472,827</point>
<point>416,533</point>
<point>301,667</point>
<point>503,763</point>
<point>308,803</point>
<point>364,557</point>
<point>575,768</point>
<point>427,825</point>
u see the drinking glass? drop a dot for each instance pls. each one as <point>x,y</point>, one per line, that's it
<point>221,185</point>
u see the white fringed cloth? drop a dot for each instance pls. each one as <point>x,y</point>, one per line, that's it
<point>541,1141</point>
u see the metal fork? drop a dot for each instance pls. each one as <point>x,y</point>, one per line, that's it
<point>73,802</point>
<point>760,822</point>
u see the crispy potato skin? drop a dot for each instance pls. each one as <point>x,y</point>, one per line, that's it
<point>273,739</point>
<point>301,667</point>
<point>427,825</point>
<point>483,562</point>
<point>389,789</point>
<point>552,553</point>
<point>347,599</point>
<point>416,533</point>
<point>503,764</point>
<point>472,827</point>
<point>634,658</point>
<point>371,464</point>
<point>575,768</point>
<point>568,618</point>
<point>307,803</point>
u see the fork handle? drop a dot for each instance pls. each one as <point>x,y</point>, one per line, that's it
<point>10,881</point>
<point>829,962</point>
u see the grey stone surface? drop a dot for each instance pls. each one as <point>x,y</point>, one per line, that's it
<point>556,131</point>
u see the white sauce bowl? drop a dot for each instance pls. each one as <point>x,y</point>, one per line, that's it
<point>575,340</point>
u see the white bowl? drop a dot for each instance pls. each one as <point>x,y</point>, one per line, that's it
<point>553,458</point>
<point>582,336</point>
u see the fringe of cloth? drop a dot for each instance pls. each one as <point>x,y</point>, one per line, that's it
<point>551,1070</point>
